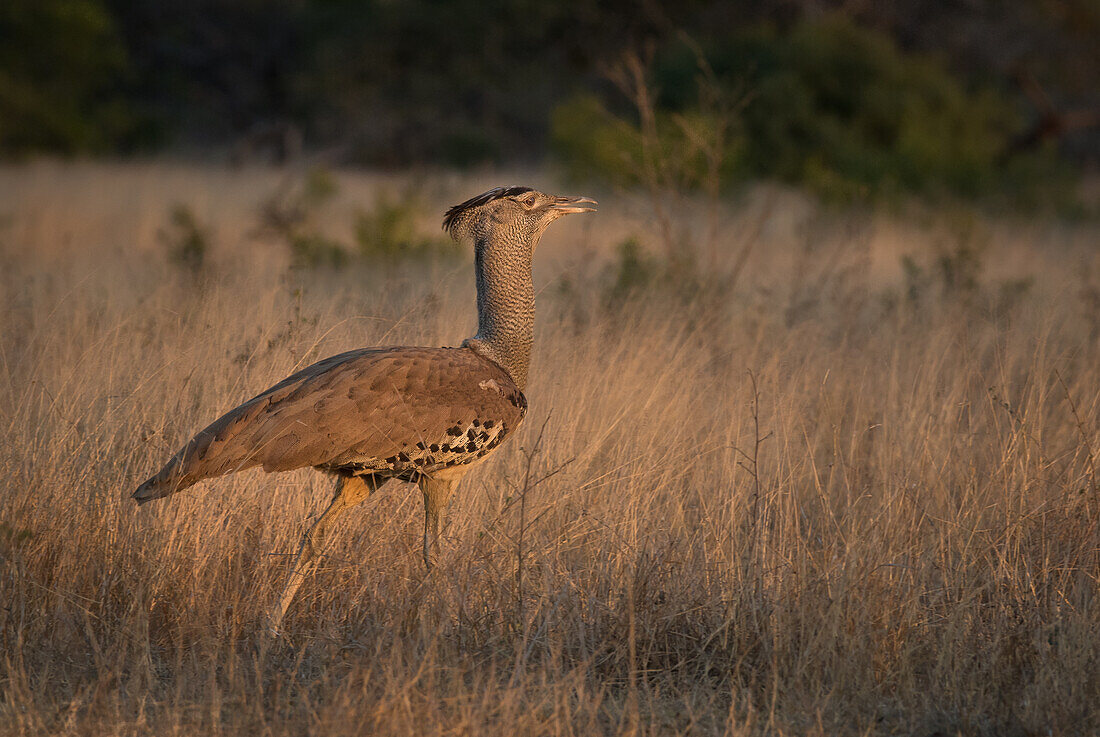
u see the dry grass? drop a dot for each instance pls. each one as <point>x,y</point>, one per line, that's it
<point>903,540</point>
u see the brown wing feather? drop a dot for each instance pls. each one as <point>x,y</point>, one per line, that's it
<point>392,411</point>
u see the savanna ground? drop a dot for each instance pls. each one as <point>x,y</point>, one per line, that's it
<point>845,482</point>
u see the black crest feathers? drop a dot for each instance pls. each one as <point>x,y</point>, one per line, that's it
<point>484,198</point>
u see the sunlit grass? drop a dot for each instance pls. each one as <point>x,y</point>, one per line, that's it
<point>842,497</point>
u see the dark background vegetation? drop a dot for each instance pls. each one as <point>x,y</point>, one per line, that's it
<point>958,97</point>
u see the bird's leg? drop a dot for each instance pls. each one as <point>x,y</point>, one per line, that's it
<point>437,498</point>
<point>350,491</point>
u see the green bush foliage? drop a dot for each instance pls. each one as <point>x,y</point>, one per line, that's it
<point>60,64</point>
<point>293,214</point>
<point>834,105</point>
<point>186,239</point>
<point>299,212</point>
<point>842,106</point>
<point>831,105</point>
<point>593,143</point>
<point>390,231</point>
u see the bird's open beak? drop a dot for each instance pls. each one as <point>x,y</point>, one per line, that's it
<point>570,205</point>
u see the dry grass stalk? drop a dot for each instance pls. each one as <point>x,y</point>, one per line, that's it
<point>921,559</point>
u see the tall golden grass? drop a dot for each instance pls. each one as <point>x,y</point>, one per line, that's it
<point>839,496</point>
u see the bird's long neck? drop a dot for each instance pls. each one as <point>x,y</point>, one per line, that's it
<point>505,304</point>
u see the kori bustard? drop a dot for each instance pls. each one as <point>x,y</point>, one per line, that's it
<point>422,415</point>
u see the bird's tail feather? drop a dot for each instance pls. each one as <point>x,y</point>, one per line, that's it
<point>168,481</point>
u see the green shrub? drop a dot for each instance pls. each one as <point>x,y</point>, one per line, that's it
<point>593,143</point>
<point>60,64</point>
<point>293,214</point>
<point>186,239</point>
<point>839,106</point>
<point>832,106</point>
<point>634,272</point>
<point>389,232</point>
<point>955,273</point>
<point>310,249</point>
<point>638,273</point>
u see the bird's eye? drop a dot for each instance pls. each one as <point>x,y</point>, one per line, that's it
<point>528,199</point>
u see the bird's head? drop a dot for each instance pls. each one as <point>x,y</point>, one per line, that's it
<point>511,213</point>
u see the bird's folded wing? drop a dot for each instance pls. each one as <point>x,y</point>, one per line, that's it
<point>356,408</point>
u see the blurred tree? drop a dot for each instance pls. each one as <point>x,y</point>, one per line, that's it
<point>459,82</point>
<point>61,68</point>
<point>215,70</point>
<point>455,82</point>
<point>831,105</point>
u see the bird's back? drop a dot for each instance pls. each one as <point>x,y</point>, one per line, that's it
<point>390,412</point>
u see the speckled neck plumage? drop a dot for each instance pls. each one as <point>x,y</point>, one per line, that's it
<point>505,300</point>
